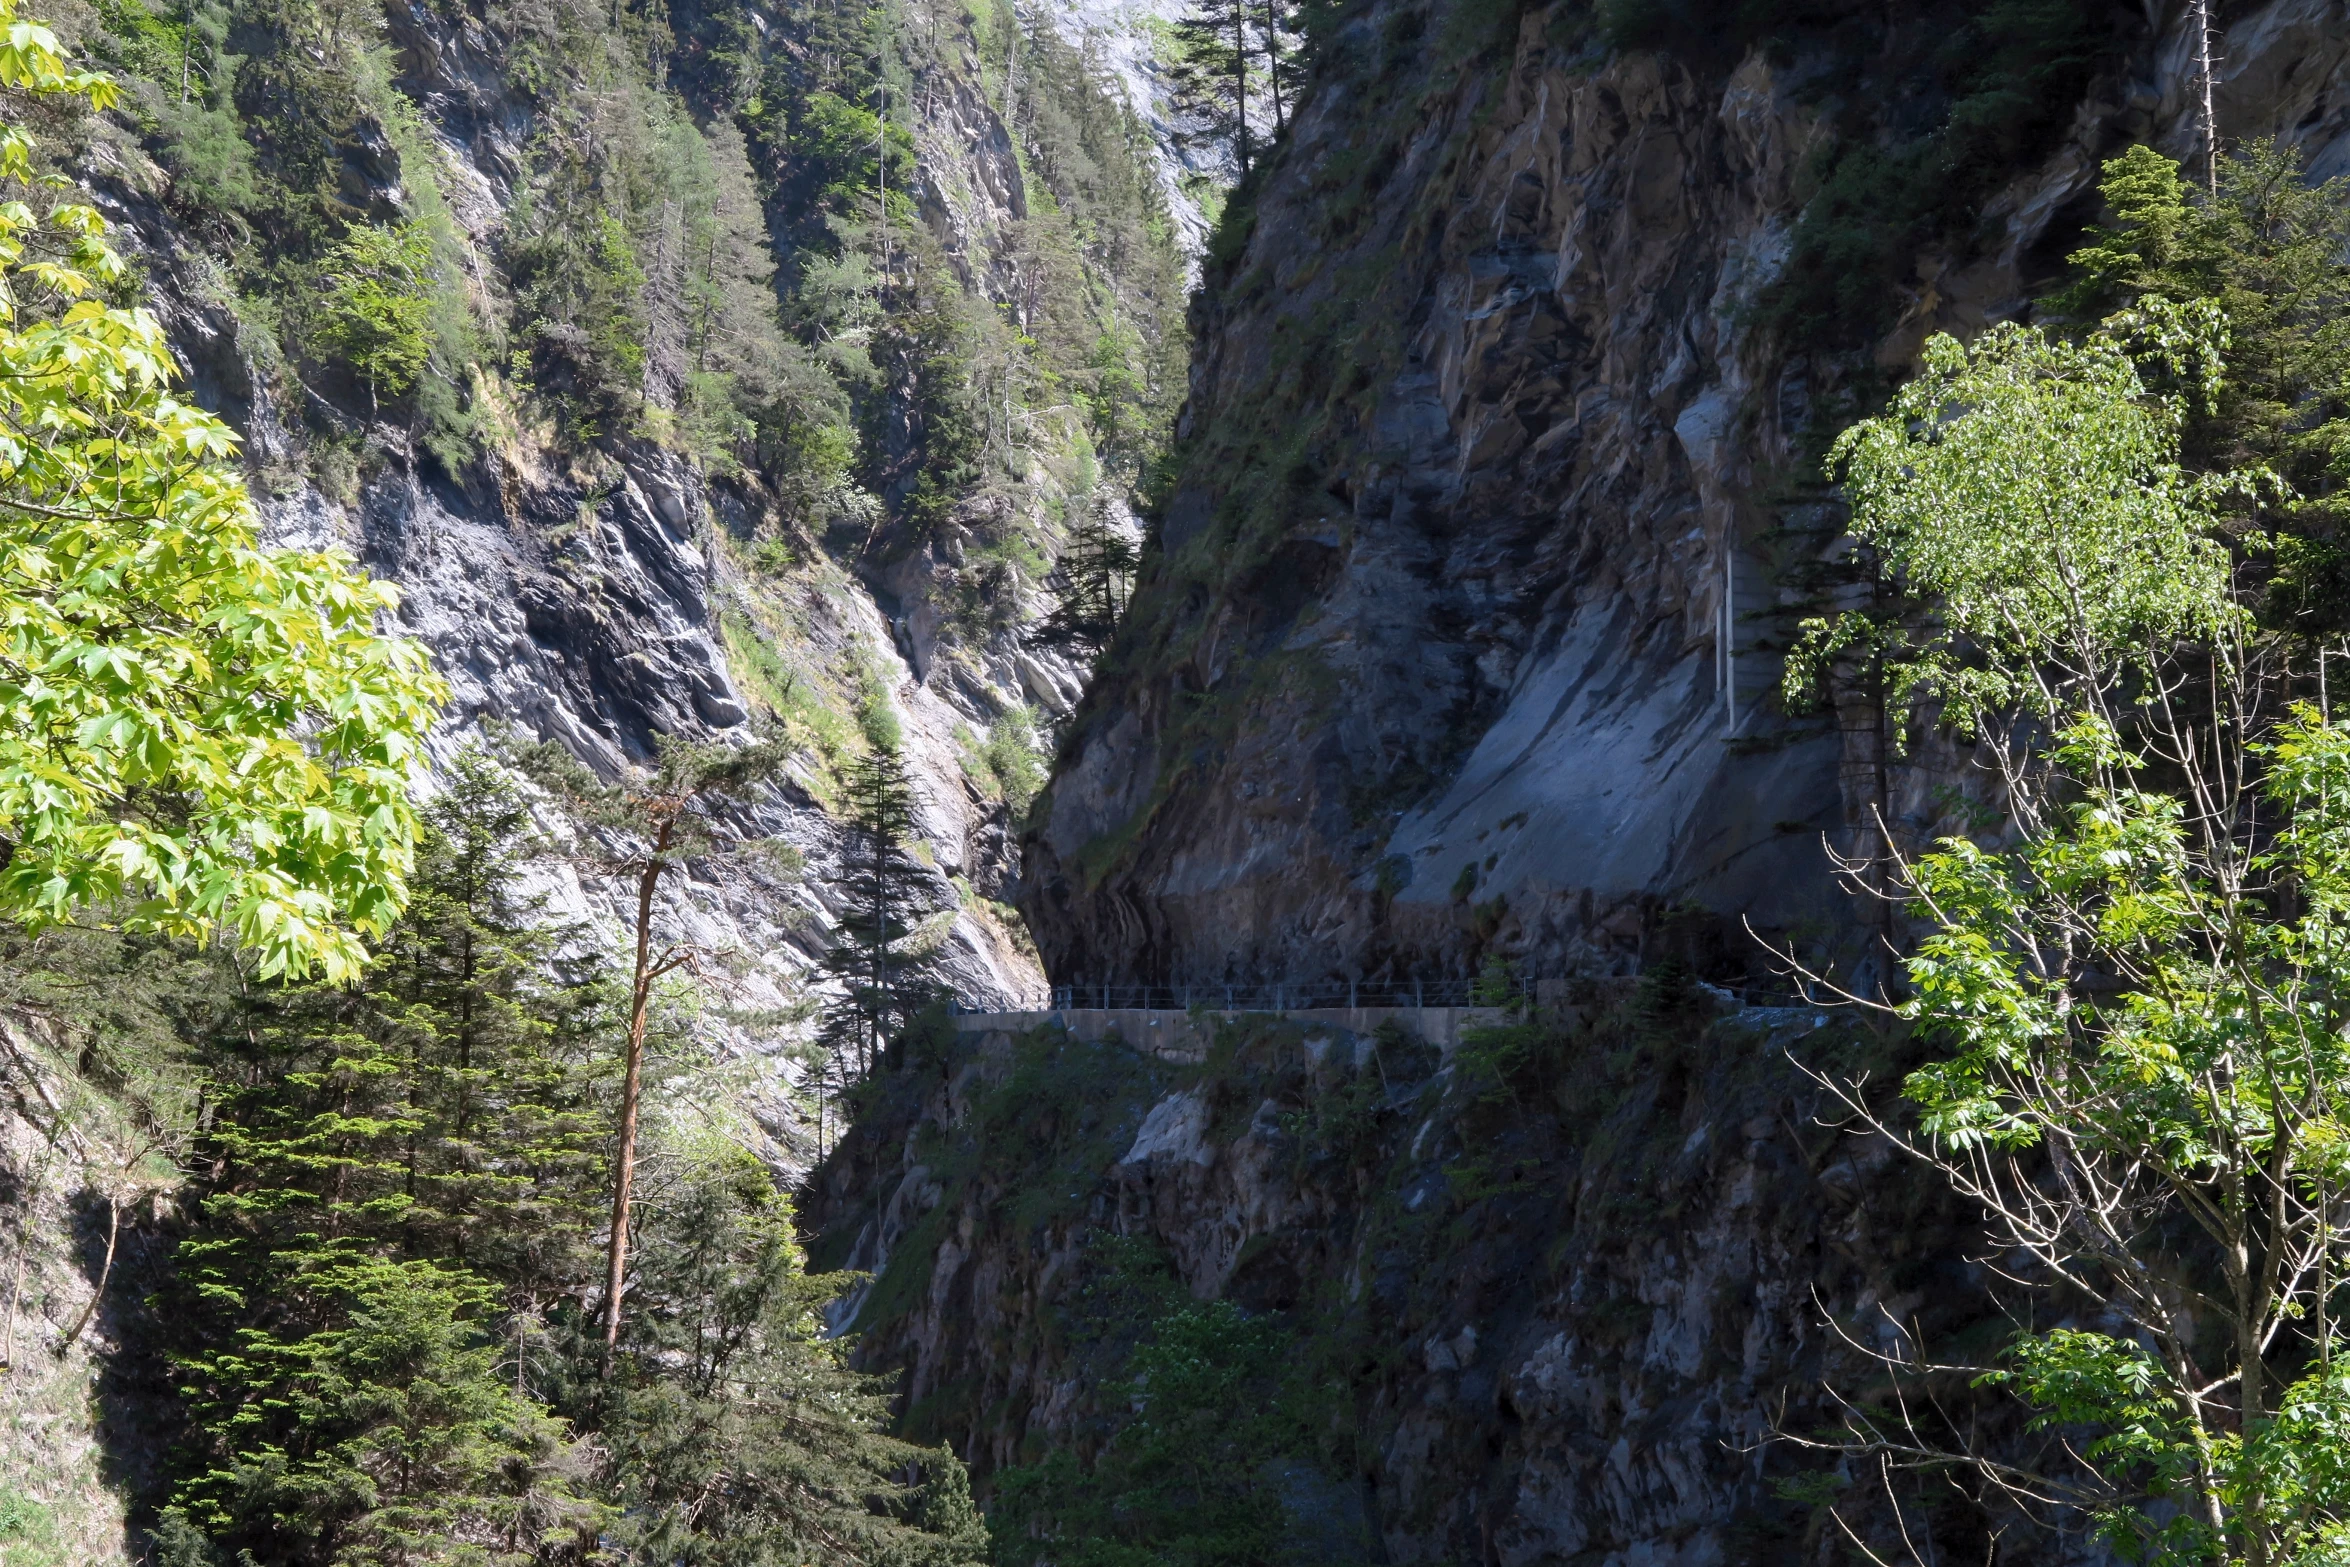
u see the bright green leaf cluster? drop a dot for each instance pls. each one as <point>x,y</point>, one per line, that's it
<point>2031,489</point>
<point>203,729</point>
<point>377,311</point>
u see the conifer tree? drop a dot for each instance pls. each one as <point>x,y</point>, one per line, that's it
<point>882,983</point>
<point>1230,57</point>
<point>669,817</point>
<point>377,1156</point>
<point>1097,569</point>
<point>1210,70</point>
<point>1276,22</point>
<point>388,1315</point>
<point>754,1441</point>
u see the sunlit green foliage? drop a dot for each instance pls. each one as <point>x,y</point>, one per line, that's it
<point>2139,988</point>
<point>375,309</point>
<point>2271,252</point>
<point>2031,489</point>
<point>192,727</point>
<point>1011,760</point>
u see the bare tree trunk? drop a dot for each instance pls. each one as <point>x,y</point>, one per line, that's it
<point>105,1272</point>
<point>2202,16</point>
<point>1273,64</point>
<point>631,1088</point>
<point>2251,1505</point>
<point>1240,83</point>
<point>1012,87</point>
<point>882,186</point>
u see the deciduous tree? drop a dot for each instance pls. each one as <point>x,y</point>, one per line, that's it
<point>2138,993</point>
<point>194,729</point>
<point>375,308</point>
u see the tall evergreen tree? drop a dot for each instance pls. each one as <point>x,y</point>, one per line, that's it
<point>382,1158</point>
<point>1210,69</point>
<point>736,1432</point>
<point>1095,573</point>
<point>667,817</point>
<point>1277,24</point>
<point>387,1320</point>
<point>883,983</point>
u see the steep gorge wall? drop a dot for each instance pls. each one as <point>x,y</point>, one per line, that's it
<point>606,594</point>
<point>1496,447</point>
<point>1470,583</point>
<point>1545,1297</point>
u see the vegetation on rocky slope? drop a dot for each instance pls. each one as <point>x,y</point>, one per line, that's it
<point>462,248</point>
<point>1260,1306</point>
<point>1278,1301</point>
<point>2133,970</point>
<point>496,239</point>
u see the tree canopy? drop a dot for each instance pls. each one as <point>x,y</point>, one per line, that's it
<point>2132,973</point>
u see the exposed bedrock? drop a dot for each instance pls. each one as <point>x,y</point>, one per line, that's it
<point>1460,632</point>
<point>1555,1317</point>
<point>583,596</point>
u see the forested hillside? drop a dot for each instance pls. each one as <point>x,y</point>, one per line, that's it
<point>711,396</point>
<point>684,369</point>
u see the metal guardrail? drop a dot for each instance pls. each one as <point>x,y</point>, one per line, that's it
<point>1332,994</point>
<point>1281,998</point>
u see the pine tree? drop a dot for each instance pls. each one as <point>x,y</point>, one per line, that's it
<point>1095,570</point>
<point>754,1441</point>
<point>1277,24</point>
<point>388,1317</point>
<point>669,816</point>
<point>883,983</point>
<point>1210,72</point>
<point>373,1153</point>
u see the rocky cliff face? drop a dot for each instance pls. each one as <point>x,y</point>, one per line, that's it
<point>603,595</point>
<point>1455,641</point>
<point>1465,613</point>
<point>1545,1298</point>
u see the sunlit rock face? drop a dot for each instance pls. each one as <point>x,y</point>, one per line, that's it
<point>583,597</point>
<point>1471,590</point>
